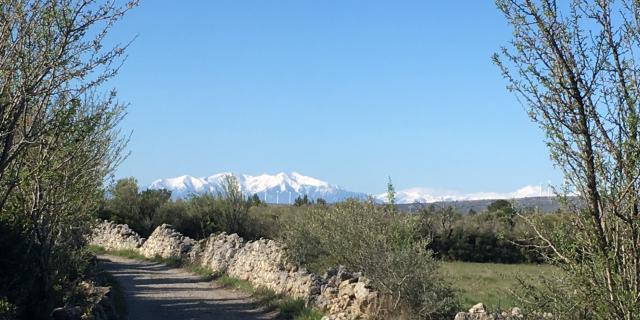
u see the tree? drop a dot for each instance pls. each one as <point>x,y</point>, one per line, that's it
<point>254,201</point>
<point>504,210</point>
<point>150,201</point>
<point>58,140</point>
<point>391,196</point>
<point>234,212</point>
<point>301,201</point>
<point>576,69</point>
<point>124,202</point>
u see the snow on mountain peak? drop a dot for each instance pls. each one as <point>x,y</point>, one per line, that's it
<point>284,188</point>
<point>425,195</point>
<point>278,188</point>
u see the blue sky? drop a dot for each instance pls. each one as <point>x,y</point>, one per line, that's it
<point>346,91</point>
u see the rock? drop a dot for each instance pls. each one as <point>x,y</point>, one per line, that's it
<point>113,236</point>
<point>516,312</point>
<point>219,250</point>
<point>478,308</point>
<point>166,243</point>
<point>59,314</point>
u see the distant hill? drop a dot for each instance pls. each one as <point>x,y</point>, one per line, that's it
<point>284,188</point>
<point>544,204</point>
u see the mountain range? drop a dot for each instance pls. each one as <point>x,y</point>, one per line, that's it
<point>283,188</point>
<point>280,188</point>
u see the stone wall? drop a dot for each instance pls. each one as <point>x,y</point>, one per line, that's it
<point>343,295</point>
<point>113,236</point>
<point>165,242</point>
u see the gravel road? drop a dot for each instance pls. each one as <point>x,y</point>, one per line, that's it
<point>155,291</point>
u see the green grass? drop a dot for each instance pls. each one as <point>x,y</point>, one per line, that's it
<point>290,309</point>
<point>96,249</point>
<point>490,283</point>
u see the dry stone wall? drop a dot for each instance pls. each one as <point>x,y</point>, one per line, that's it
<point>343,295</point>
<point>113,236</point>
<point>165,242</point>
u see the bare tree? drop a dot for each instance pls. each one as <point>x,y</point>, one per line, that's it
<point>575,66</point>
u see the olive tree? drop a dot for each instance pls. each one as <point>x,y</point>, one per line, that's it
<point>575,66</point>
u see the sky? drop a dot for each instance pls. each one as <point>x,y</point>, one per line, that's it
<point>350,92</point>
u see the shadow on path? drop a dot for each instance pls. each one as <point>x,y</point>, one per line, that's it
<point>155,291</point>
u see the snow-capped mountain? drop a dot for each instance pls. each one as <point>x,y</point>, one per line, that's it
<point>425,195</point>
<point>284,188</point>
<point>280,188</point>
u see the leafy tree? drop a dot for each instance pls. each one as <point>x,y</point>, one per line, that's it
<point>391,196</point>
<point>321,202</point>
<point>150,201</point>
<point>124,202</point>
<point>575,67</point>
<point>205,211</point>
<point>504,210</point>
<point>254,201</point>
<point>58,141</point>
<point>234,211</point>
<point>301,201</point>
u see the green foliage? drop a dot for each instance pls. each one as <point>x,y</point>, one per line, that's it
<point>127,253</point>
<point>140,210</point>
<point>296,310</point>
<point>8,311</point>
<point>197,217</point>
<point>290,309</point>
<point>367,238</point>
<point>495,235</point>
<point>302,201</point>
<point>574,65</point>
<point>391,196</point>
<point>254,201</point>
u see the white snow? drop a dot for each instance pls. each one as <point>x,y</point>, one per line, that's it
<point>278,188</point>
<point>426,195</point>
<point>284,188</point>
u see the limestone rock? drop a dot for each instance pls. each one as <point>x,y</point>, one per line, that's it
<point>166,243</point>
<point>113,236</point>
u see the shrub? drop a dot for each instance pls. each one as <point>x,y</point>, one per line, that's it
<point>381,244</point>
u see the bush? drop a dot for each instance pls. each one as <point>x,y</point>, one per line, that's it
<point>7,310</point>
<point>496,235</point>
<point>381,244</point>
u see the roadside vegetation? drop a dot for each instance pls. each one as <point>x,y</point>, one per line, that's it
<point>573,65</point>
<point>59,142</point>
<point>406,256</point>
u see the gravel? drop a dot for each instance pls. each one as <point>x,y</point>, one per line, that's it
<point>155,291</point>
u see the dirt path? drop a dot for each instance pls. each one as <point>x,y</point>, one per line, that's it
<point>155,291</point>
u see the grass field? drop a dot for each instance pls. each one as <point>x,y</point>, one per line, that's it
<point>489,283</point>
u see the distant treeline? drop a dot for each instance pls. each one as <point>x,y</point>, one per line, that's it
<point>496,234</point>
